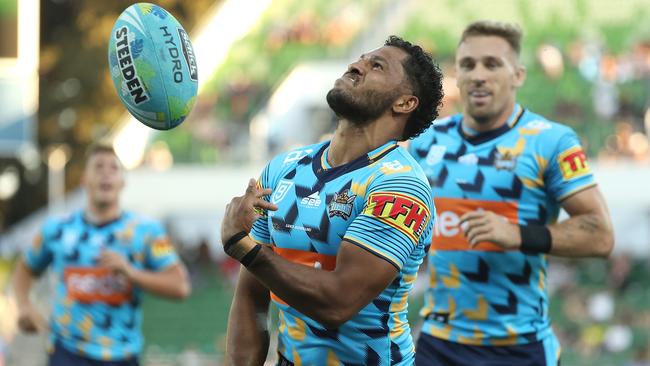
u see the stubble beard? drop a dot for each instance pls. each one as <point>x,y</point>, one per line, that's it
<point>360,111</point>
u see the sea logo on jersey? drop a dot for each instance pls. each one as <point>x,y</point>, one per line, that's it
<point>401,211</point>
<point>436,154</point>
<point>341,204</point>
<point>281,191</point>
<point>573,163</point>
<point>94,284</point>
<point>506,157</point>
<point>296,155</point>
<point>311,201</point>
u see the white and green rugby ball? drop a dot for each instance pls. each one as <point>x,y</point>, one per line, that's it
<point>153,66</point>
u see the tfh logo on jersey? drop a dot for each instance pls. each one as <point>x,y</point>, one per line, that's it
<point>573,163</point>
<point>403,212</point>
<point>161,247</point>
<point>341,204</point>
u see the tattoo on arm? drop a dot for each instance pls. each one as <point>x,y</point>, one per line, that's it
<point>588,223</point>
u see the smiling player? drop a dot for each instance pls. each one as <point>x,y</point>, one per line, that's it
<point>499,174</point>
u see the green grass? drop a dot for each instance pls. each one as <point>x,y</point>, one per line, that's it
<point>200,321</point>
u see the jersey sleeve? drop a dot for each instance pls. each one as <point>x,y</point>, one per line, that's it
<point>568,168</point>
<point>160,252</point>
<point>39,255</point>
<point>395,220</point>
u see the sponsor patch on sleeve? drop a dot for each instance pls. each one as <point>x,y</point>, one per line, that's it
<point>573,163</point>
<point>161,247</point>
<point>401,211</point>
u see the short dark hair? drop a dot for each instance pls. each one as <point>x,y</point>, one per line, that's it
<point>511,33</point>
<point>425,78</point>
<point>100,147</point>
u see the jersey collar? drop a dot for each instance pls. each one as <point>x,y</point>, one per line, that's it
<point>324,171</point>
<point>87,221</point>
<point>480,138</point>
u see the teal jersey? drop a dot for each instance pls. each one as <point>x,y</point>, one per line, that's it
<point>97,313</point>
<point>521,171</point>
<point>380,202</point>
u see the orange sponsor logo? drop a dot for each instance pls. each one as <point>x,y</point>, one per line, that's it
<point>90,284</point>
<point>401,211</point>
<point>573,163</point>
<point>306,258</point>
<point>448,235</point>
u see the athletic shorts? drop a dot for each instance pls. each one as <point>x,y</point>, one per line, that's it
<point>62,357</point>
<point>431,351</point>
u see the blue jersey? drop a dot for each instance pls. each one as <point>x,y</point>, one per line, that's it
<point>380,202</point>
<point>522,171</point>
<point>96,313</point>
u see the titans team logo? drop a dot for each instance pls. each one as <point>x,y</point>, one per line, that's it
<point>505,161</point>
<point>341,204</point>
<point>506,157</point>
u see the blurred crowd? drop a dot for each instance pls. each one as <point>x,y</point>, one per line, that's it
<point>600,92</point>
<point>601,309</point>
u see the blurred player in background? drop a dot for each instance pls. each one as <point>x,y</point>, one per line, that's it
<point>348,224</point>
<point>103,258</point>
<point>499,174</point>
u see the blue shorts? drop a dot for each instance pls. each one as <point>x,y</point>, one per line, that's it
<point>431,351</point>
<point>62,357</point>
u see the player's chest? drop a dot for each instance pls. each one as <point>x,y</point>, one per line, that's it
<point>313,214</point>
<point>499,168</point>
<point>77,260</point>
<point>79,246</point>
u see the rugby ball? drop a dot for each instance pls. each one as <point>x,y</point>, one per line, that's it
<point>153,66</point>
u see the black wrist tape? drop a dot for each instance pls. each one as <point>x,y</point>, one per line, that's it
<point>234,240</point>
<point>250,256</point>
<point>535,239</point>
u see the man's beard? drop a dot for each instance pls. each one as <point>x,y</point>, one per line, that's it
<point>360,110</point>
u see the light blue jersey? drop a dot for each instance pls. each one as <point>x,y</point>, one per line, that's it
<point>380,202</point>
<point>96,313</point>
<point>522,171</point>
